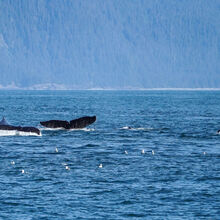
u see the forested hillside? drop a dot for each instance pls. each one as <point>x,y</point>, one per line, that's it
<point>119,44</point>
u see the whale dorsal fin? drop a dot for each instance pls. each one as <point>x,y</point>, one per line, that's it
<point>3,121</point>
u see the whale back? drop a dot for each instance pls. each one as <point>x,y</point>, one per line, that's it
<point>29,129</point>
<point>19,128</point>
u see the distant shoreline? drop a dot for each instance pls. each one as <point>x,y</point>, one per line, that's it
<point>109,89</point>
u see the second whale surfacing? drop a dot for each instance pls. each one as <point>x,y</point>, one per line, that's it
<point>4,126</point>
<point>78,123</point>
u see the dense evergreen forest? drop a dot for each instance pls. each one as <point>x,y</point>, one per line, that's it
<point>106,44</point>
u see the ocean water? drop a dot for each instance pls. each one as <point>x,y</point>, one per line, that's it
<point>166,167</point>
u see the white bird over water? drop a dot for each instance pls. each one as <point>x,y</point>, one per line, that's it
<point>12,162</point>
<point>56,150</point>
<point>126,152</point>
<point>67,168</point>
<point>22,171</point>
<point>100,165</point>
<point>143,152</point>
<point>153,152</point>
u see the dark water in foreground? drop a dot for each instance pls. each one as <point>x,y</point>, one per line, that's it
<point>177,177</point>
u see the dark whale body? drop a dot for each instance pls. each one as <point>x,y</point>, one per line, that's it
<point>19,128</point>
<point>6,127</point>
<point>74,124</point>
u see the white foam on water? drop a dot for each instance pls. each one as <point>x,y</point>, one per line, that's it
<point>7,133</point>
<point>81,129</point>
<point>17,133</point>
<point>125,128</point>
<point>63,129</point>
<point>22,133</point>
<point>142,129</point>
<point>84,129</point>
<point>51,129</point>
<point>135,129</point>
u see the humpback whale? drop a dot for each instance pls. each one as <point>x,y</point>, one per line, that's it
<point>74,124</point>
<point>6,127</point>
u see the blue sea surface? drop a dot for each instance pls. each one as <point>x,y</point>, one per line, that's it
<point>166,167</point>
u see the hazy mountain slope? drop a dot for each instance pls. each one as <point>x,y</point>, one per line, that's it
<point>110,44</point>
